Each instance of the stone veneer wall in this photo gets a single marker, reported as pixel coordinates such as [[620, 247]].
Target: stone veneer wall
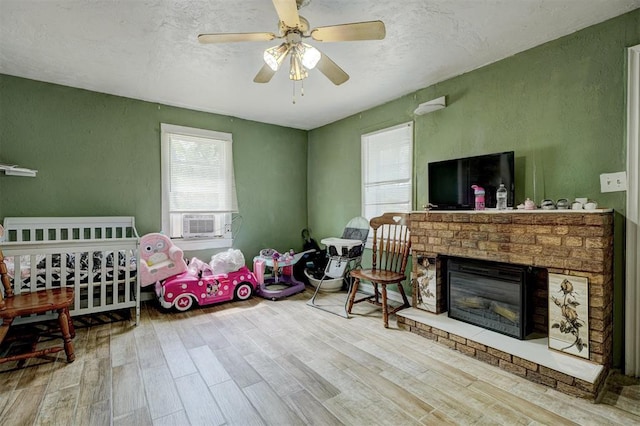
[[572, 243]]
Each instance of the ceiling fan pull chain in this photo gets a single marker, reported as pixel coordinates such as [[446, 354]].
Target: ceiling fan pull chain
[[301, 87], [294, 93]]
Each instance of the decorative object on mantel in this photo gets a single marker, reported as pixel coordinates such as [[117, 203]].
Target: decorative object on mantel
[[14, 170], [425, 283], [578, 204], [529, 204], [591, 205], [569, 314], [563, 204], [547, 205], [478, 192]]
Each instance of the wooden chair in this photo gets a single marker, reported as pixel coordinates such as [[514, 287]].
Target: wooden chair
[[391, 244], [38, 302]]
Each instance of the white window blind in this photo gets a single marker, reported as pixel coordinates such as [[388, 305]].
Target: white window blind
[[198, 181], [387, 170], [201, 175]]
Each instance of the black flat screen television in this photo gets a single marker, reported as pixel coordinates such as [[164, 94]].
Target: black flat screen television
[[450, 181]]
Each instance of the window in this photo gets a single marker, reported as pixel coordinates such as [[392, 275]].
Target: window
[[387, 170], [198, 189]]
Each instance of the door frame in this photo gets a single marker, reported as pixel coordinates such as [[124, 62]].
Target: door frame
[[632, 269]]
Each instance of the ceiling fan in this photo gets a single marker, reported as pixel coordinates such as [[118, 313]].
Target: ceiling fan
[[293, 28]]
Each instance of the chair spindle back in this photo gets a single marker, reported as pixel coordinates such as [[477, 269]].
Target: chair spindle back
[[391, 241]]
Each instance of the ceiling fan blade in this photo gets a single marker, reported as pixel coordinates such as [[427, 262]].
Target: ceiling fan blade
[[287, 11], [332, 71], [369, 30], [264, 75], [233, 37]]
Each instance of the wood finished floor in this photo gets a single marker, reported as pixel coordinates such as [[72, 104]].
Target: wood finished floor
[[283, 363]]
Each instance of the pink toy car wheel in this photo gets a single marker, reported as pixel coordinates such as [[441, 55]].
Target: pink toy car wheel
[[243, 291], [183, 302]]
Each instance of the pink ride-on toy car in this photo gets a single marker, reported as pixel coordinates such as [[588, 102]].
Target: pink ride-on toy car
[[200, 285]]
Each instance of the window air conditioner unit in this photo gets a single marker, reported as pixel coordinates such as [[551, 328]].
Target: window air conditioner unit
[[198, 226]]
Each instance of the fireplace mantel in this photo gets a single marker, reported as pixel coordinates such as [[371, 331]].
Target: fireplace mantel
[[577, 243]]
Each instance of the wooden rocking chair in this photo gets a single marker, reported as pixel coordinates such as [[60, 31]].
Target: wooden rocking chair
[[391, 244]]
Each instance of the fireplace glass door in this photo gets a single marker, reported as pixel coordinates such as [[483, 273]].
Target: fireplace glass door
[[489, 295]]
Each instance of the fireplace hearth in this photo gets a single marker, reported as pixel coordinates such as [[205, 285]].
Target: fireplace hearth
[[491, 295]]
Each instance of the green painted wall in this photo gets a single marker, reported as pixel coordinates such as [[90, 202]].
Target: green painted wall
[[99, 154], [560, 107]]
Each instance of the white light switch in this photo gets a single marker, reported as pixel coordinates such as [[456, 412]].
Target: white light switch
[[612, 182]]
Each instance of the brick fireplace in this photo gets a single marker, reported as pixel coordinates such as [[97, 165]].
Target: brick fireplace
[[574, 243]]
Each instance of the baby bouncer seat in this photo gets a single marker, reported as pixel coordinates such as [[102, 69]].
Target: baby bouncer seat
[[345, 254]]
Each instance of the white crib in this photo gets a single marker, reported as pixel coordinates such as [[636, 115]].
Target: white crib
[[95, 255]]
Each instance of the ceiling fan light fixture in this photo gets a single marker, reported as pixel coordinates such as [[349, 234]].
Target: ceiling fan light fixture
[[293, 28], [310, 57], [274, 56]]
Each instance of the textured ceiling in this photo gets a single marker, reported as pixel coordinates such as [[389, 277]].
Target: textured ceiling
[[147, 49]]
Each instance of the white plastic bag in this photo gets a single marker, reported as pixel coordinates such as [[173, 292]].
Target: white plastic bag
[[227, 261]]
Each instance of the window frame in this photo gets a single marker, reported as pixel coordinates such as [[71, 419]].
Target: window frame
[[364, 167], [188, 244]]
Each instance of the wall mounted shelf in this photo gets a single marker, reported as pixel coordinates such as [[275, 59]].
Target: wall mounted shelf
[[13, 170]]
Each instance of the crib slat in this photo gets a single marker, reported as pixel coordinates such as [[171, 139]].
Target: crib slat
[[76, 282], [90, 283], [48, 264], [64, 258], [103, 279], [33, 277], [116, 289], [17, 274]]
